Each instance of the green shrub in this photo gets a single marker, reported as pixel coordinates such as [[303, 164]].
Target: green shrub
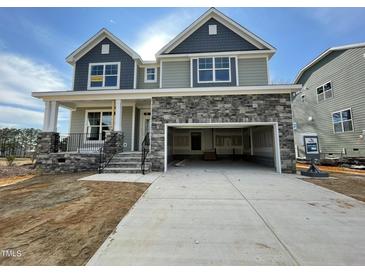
[[10, 160]]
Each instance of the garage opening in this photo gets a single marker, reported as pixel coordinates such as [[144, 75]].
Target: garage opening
[[245, 142]]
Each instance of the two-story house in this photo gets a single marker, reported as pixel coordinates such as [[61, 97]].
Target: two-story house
[[331, 104], [207, 91]]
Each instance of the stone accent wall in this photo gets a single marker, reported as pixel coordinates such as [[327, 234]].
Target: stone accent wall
[[223, 109]]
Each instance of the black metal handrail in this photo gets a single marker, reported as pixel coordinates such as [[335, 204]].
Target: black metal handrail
[[81, 142], [145, 150], [109, 150]]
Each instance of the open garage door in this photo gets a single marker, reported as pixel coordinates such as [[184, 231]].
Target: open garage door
[[253, 142]]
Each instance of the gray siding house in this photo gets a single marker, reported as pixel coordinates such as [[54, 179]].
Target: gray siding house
[[207, 92], [331, 103]]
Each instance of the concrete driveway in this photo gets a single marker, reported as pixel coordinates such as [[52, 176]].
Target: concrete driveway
[[224, 213]]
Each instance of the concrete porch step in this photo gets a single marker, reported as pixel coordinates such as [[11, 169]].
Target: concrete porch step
[[124, 170], [128, 164], [117, 158]]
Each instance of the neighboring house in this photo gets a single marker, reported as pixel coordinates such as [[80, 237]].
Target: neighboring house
[[207, 91], [331, 104]]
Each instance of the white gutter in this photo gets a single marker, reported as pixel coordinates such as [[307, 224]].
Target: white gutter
[[149, 93]]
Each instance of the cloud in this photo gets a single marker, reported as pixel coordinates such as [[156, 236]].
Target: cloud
[[155, 35], [19, 77], [337, 19], [111, 21]]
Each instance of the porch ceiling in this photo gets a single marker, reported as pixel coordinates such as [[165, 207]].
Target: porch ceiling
[[101, 103]]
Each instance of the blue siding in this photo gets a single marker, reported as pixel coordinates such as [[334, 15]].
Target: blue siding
[[224, 40], [116, 54], [224, 84]]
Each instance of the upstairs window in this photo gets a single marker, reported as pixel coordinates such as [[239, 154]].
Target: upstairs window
[[324, 92], [217, 69], [150, 75], [103, 75], [342, 121]]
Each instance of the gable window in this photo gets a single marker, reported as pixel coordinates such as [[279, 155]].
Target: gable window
[[97, 124], [324, 92], [212, 29], [104, 75], [150, 75], [214, 69], [105, 49], [342, 121]]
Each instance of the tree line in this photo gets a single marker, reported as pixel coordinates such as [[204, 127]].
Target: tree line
[[18, 142]]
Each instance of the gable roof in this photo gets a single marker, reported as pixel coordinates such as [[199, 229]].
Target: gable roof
[[94, 40], [223, 19], [323, 55]]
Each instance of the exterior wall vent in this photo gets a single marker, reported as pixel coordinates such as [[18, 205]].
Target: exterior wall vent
[[212, 29], [105, 49]]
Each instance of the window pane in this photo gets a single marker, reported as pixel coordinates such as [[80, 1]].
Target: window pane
[[95, 84], [346, 115], [111, 69], [107, 118], [150, 70], [337, 127], [347, 126], [222, 62], [320, 90], [93, 133], [97, 70], [94, 118], [222, 75], [151, 77], [328, 86], [205, 75], [336, 117], [111, 81], [205, 63], [328, 94], [320, 97]]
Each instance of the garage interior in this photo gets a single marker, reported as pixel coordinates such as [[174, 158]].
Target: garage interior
[[244, 143]]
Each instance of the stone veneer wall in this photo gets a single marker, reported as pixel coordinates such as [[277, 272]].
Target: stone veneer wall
[[223, 109], [49, 160]]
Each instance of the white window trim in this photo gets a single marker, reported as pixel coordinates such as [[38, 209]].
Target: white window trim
[[324, 92], [333, 123], [87, 111], [103, 87], [214, 69], [145, 75]]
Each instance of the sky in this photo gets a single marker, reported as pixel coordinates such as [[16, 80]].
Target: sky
[[34, 43]]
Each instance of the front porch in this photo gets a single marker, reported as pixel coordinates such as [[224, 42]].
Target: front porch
[[91, 121]]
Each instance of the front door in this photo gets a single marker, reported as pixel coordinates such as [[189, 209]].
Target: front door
[[145, 124]]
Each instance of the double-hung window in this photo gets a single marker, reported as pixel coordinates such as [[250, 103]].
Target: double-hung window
[[150, 75], [214, 69], [97, 124], [104, 76], [324, 92], [342, 121]]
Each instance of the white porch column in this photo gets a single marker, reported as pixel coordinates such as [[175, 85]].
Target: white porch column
[[47, 108], [118, 115], [133, 124], [50, 116], [53, 117]]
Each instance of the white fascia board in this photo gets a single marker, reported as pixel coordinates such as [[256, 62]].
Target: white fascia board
[[94, 40], [223, 19], [149, 93], [239, 54], [324, 54]]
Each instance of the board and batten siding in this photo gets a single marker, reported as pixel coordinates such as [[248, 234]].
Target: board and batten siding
[[78, 123], [346, 71], [140, 79], [252, 71], [176, 74]]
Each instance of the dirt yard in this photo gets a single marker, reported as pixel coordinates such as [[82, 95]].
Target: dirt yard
[[350, 185], [57, 220], [21, 170]]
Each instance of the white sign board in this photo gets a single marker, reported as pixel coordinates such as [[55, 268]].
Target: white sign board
[[311, 145]]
